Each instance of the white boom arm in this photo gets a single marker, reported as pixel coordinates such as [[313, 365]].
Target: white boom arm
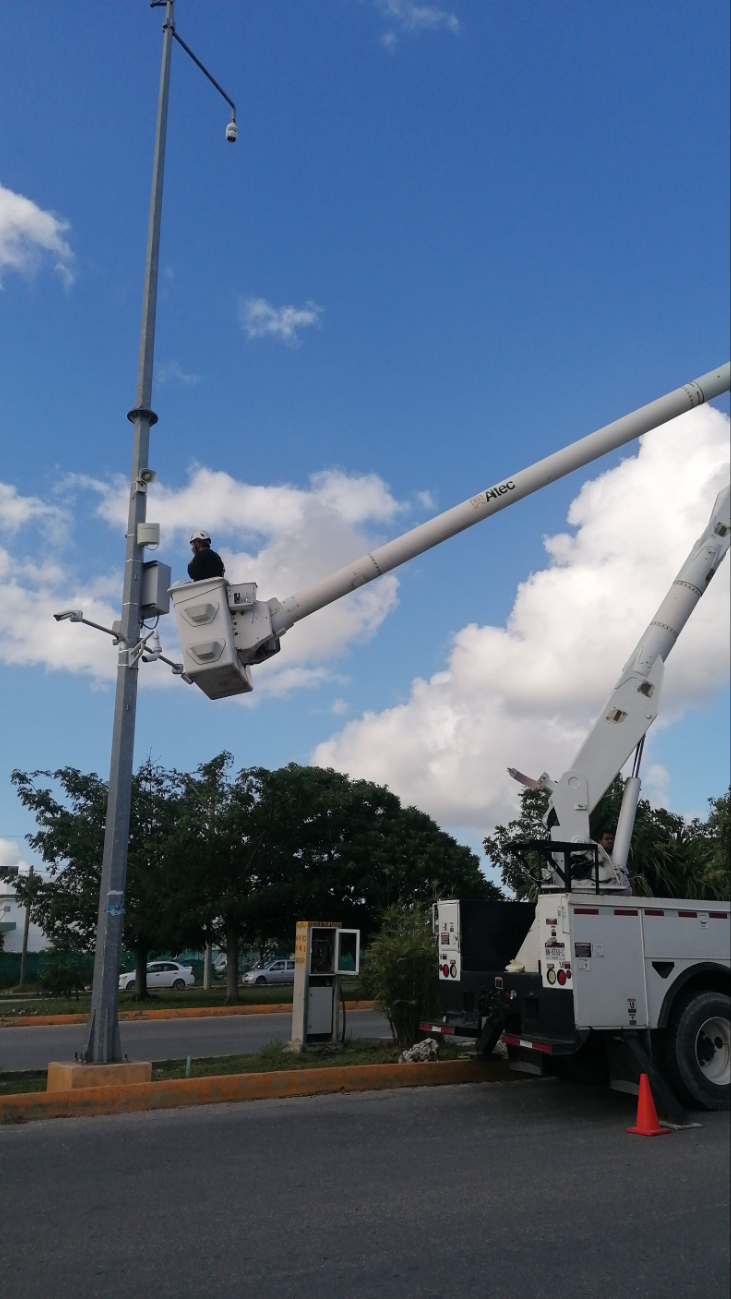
[[224, 629], [502, 494], [632, 707]]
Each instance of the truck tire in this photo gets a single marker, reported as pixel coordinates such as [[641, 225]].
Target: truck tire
[[698, 1049]]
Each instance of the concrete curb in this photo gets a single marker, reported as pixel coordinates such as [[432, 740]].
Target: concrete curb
[[90, 1102], [185, 1012]]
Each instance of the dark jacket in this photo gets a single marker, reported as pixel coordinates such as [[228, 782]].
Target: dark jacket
[[205, 564]]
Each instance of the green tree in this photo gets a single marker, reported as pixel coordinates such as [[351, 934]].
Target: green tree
[[150, 919], [719, 833], [670, 856], [529, 824], [332, 848], [70, 840], [400, 970], [217, 844]]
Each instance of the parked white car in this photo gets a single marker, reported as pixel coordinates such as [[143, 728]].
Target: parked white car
[[272, 972], [161, 974]]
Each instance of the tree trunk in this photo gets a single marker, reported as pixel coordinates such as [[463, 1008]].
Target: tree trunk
[[207, 967], [141, 973], [232, 965], [26, 927]]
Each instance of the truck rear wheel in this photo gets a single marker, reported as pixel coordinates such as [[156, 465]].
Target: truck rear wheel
[[698, 1049]]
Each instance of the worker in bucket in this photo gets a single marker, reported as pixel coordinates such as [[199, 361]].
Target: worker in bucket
[[205, 562]]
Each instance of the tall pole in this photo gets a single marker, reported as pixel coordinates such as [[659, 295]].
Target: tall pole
[[103, 1042]]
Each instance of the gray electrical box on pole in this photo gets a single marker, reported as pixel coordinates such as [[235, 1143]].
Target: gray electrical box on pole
[[324, 953]]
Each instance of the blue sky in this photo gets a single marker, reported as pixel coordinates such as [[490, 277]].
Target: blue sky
[[497, 227]]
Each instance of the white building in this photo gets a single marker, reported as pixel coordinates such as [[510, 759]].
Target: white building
[[12, 915]]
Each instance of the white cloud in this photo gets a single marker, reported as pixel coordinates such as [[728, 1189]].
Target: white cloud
[[282, 537], [655, 784], [10, 854], [29, 594], [17, 511], [173, 372], [261, 320], [27, 233], [405, 16], [215, 500], [525, 694]]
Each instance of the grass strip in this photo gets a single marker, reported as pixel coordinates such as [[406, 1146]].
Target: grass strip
[[272, 1058]]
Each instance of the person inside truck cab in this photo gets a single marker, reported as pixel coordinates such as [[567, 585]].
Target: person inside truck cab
[[205, 562]]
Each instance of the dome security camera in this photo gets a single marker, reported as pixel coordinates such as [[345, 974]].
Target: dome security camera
[[232, 132]]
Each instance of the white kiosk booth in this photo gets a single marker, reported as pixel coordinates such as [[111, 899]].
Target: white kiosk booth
[[324, 953]]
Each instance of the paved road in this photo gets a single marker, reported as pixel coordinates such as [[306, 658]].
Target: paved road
[[167, 1039], [527, 1190]]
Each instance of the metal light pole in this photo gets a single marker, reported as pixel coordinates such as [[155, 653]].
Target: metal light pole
[[103, 1042]]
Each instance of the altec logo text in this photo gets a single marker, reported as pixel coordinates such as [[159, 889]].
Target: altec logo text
[[500, 491], [492, 493]]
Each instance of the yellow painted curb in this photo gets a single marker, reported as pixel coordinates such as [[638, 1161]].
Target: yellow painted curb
[[185, 1012], [89, 1102]]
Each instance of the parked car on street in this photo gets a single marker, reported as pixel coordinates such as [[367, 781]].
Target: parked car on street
[[161, 974], [272, 972]]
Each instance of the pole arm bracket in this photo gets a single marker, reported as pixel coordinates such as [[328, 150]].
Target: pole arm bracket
[[206, 73]]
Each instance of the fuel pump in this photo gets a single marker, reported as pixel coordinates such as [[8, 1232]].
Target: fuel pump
[[324, 953]]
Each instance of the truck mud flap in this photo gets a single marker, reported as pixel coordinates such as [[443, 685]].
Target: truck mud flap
[[524, 1059]]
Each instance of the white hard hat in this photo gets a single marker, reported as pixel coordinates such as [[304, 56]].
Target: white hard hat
[[199, 535]]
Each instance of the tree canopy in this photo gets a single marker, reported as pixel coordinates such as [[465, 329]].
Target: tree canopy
[[70, 840], [236, 858]]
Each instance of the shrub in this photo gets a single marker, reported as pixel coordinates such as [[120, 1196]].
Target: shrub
[[65, 975], [400, 970]]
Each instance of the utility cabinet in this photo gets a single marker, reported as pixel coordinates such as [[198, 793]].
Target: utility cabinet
[[324, 953]]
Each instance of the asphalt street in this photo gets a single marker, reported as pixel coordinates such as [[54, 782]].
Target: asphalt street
[[167, 1039], [498, 1191]]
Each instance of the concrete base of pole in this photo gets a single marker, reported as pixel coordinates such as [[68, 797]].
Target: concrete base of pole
[[67, 1076]]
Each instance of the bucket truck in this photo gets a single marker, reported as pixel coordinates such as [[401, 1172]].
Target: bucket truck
[[589, 979], [587, 972]]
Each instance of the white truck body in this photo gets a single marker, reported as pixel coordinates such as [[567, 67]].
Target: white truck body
[[623, 959]]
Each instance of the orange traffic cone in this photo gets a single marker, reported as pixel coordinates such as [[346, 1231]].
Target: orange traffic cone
[[647, 1124]]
